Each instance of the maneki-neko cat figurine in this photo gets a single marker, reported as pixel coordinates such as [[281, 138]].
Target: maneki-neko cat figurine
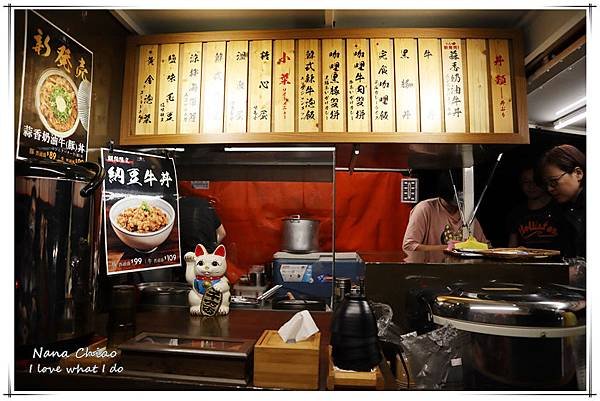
[[205, 271]]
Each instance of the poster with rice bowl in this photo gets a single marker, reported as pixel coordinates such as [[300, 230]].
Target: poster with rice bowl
[[141, 212], [56, 94]]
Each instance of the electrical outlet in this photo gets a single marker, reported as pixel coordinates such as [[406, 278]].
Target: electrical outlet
[[410, 190]]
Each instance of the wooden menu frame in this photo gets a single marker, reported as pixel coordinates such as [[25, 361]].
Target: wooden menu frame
[[517, 75]]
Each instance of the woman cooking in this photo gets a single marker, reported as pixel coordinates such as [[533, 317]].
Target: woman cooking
[[562, 170], [435, 222]]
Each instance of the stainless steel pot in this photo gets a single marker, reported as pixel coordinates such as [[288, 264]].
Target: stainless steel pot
[[521, 337], [57, 237], [300, 235]]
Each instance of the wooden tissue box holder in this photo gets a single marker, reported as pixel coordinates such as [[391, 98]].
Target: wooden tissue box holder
[[286, 365]]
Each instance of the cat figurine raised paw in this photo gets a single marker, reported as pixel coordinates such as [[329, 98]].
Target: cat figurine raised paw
[[205, 271]]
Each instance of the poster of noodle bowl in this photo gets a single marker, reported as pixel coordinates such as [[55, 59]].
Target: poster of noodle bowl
[[56, 91], [141, 212]]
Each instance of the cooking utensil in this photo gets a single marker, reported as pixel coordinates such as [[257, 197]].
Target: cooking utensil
[[487, 184], [164, 293], [520, 336], [241, 301], [238, 301], [267, 294], [300, 235], [514, 253], [299, 304]]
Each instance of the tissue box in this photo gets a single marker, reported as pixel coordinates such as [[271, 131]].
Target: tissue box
[[283, 365]]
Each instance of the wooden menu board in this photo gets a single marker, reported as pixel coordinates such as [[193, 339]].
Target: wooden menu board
[[454, 90], [334, 85], [406, 85], [479, 111], [359, 87], [382, 77], [283, 86], [308, 85], [236, 86], [430, 72], [501, 85], [189, 87], [168, 80], [213, 87], [259, 86], [146, 94]]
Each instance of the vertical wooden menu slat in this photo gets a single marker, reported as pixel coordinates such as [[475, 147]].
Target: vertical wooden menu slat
[[146, 90], [407, 84], [334, 85], [477, 71], [430, 84], [382, 78], [284, 85], [309, 85], [359, 95], [236, 86], [168, 82], [259, 86], [213, 87], [501, 82], [190, 71], [453, 78]]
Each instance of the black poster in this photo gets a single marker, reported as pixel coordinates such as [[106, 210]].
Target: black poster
[[141, 212], [56, 94]]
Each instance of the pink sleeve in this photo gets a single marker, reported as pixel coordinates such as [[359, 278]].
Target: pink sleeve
[[478, 231], [416, 229]]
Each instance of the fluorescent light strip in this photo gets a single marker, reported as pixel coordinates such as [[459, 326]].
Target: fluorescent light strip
[[280, 149], [568, 121], [571, 106]]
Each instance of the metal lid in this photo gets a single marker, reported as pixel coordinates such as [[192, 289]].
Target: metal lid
[[512, 304]]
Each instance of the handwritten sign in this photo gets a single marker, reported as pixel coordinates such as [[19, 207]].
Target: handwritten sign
[[382, 76], [236, 86], [213, 87], [189, 80], [283, 86], [334, 85], [146, 96], [168, 85], [501, 85], [259, 86], [359, 108], [407, 85], [430, 84], [308, 84], [454, 93]]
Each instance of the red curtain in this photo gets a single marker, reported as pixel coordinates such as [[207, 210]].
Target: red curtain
[[369, 215]]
